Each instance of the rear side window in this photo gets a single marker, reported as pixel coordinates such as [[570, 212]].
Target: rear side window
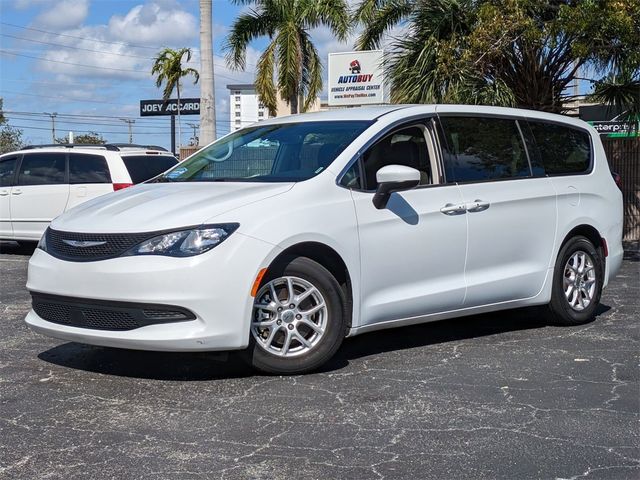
[[144, 167], [7, 169], [42, 169], [84, 168], [562, 150], [483, 149]]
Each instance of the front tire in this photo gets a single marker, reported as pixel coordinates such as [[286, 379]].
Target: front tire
[[577, 283], [298, 320]]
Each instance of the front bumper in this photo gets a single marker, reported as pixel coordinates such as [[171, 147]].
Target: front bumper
[[214, 286]]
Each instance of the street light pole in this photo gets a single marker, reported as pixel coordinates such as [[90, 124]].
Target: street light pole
[[53, 125], [129, 122]]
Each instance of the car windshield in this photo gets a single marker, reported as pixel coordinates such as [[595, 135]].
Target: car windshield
[[289, 152]]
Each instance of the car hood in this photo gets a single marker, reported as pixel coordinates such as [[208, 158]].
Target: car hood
[[161, 206]]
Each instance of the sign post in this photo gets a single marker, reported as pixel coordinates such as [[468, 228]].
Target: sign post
[[356, 78], [156, 108]]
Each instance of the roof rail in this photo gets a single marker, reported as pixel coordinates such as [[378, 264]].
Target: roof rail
[[136, 145], [106, 146]]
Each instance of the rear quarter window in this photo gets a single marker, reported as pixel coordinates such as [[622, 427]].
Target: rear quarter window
[[144, 167], [562, 150], [85, 168]]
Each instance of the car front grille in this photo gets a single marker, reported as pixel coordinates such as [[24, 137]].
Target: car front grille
[[104, 315], [87, 247]]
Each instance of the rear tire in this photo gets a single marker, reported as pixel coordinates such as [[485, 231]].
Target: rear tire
[[577, 283], [285, 338]]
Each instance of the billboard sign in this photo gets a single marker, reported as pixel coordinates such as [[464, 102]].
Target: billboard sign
[[356, 78], [614, 128], [152, 108]]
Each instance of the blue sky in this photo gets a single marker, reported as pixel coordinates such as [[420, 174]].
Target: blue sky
[[93, 57]]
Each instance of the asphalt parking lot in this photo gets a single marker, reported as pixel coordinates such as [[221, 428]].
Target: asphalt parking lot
[[491, 396]]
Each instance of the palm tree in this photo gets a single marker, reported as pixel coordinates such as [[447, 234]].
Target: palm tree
[[621, 91], [207, 88], [425, 63], [496, 52], [168, 70], [291, 55]]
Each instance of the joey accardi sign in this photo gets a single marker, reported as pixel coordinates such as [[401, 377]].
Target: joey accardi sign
[[151, 108]]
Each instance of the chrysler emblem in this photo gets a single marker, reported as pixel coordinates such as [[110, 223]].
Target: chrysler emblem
[[82, 244]]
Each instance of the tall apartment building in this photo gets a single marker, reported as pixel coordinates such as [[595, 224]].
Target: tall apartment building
[[244, 106]]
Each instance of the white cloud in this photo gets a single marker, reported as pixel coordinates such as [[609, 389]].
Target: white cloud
[[155, 23], [24, 4], [64, 14]]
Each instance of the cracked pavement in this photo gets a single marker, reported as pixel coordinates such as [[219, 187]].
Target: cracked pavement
[[500, 395]]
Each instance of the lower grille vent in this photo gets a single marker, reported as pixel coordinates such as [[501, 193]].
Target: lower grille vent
[[102, 315]]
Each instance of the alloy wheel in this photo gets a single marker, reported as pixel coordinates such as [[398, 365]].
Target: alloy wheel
[[289, 316], [579, 281]]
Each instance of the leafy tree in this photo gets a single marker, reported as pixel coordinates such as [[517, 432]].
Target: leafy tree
[[168, 70], [521, 53], [291, 55], [91, 138], [10, 137]]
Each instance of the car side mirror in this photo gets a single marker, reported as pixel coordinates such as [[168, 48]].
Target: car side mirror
[[394, 178]]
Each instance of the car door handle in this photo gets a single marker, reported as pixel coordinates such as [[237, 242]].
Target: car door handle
[[16, 192], [477, 206], [4, 193], [451, 209]]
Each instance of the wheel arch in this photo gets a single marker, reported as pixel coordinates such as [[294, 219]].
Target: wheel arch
[[594, 236], [329, 259], [587, 231]]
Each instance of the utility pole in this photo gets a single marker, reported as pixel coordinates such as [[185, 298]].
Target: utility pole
[[129, 122], [53, 125], [207, 87], [195, 132]]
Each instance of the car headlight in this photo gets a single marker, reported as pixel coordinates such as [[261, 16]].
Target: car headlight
[[42, 244], [185, 243]]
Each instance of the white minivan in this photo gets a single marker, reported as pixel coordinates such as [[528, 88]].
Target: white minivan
[[285, 237], [40, 182]]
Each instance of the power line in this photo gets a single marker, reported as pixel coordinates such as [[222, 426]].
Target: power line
[[78, 115], [63, 98], [95, 66], [26, 127], [99, 41], [79, 122], [78, 38], [75, 47], [69, 63], [101, 118], [71, 84]]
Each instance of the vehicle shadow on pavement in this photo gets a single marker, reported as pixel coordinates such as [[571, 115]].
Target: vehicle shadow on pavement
[[444, 331], [211, 366], [14, 248]]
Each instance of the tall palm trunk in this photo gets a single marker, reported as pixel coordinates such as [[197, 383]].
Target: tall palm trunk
[[293, 103], [207, 86]]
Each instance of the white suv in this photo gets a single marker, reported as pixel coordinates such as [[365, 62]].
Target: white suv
[[39, 183], [284, 237]]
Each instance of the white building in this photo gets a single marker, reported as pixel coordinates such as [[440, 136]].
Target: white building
[[244, 106]]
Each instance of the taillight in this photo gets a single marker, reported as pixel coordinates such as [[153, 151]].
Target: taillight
[[120, 186], [618, 179]]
